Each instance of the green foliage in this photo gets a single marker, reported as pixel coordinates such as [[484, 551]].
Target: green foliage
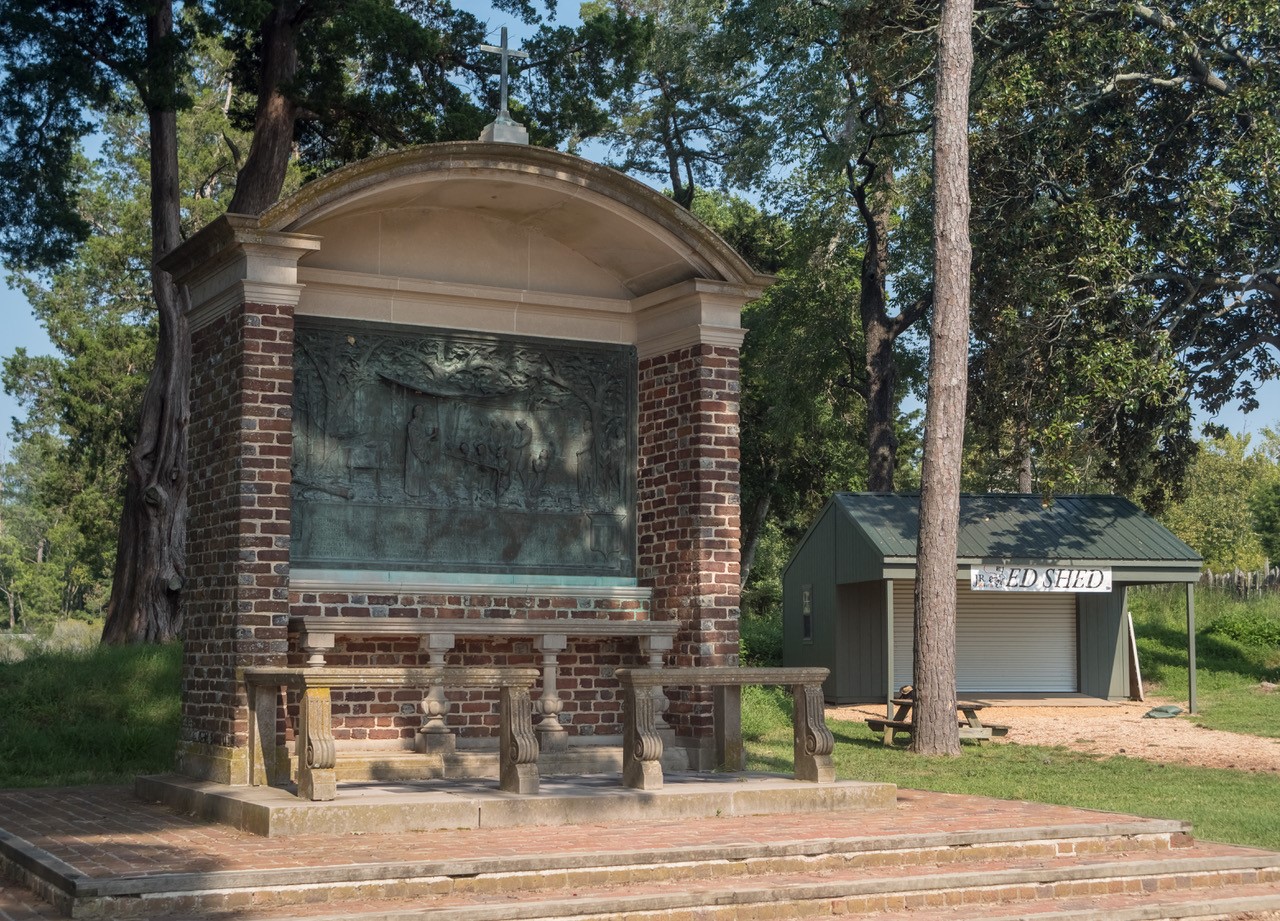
[[1249, 628], [124, 699], [64, 484], [571, 93], [801, 421], [1217, 517], [760, 638], [1265, 508], [684, 109], [1229, 671], [1223, 805], [1124, 232]]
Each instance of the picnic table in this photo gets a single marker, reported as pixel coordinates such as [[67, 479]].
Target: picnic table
[[971, 726]]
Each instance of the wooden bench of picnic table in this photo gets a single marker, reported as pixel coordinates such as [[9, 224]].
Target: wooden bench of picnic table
[[971, 727], [316, 749]]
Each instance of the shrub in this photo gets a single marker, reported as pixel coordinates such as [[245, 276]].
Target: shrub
[[1250, 628], [760, 638]]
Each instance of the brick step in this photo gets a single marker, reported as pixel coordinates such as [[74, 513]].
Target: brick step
[[1020, 857], [1253, 902], [1204, 882]]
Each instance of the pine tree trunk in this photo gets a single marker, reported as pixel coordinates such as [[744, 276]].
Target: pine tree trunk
[[151, 550], [936, 729], [1025, 469]]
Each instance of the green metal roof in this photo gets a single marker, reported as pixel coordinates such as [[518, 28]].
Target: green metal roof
[[1021, 527]]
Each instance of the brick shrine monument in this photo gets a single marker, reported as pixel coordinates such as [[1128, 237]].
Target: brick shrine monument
[[484, 392]]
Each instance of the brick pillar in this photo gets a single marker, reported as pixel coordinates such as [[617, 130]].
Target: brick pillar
[[243, 289], [688, 511]]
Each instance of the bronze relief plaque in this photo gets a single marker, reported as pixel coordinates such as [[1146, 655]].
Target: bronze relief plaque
[[442, 451]]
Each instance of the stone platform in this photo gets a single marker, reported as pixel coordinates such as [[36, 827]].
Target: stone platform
[[429, 805], [103, 853]]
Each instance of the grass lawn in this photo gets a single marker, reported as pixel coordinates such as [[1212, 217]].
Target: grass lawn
[[1223, 805], [97, 716], [1237, 648]]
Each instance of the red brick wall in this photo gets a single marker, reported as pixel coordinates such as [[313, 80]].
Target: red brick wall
[[586, 684], [239, 526], [688, 510], [240, 441]]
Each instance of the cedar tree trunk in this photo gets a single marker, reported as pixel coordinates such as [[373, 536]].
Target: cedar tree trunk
[[259, 182], [936, 730], [751, 539], [151, 551]]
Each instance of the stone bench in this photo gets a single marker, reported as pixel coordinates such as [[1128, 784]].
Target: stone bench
[[317, 635], [316, 750], [644, 703]]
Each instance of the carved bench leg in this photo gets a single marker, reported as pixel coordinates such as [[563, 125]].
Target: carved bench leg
[[728, 719], [641, 744], [518, 749], [813, 740], [552, 737], [317, 757], [264, 753]]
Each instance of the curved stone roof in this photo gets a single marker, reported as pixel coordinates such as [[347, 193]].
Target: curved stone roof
[[631, 232]]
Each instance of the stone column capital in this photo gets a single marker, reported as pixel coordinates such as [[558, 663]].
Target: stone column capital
[[233, 261], [693, 312]]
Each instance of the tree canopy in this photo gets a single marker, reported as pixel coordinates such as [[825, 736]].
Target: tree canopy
[[1124, 168]]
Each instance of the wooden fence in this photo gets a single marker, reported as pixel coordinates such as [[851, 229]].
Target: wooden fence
[[1244, 584]]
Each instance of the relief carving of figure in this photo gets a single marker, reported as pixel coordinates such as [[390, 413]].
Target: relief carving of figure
[[438, 450], [422, 438]]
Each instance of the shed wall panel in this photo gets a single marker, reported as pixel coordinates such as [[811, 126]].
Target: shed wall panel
[[1104, 639], [862, 643], [1010, 642], [814, 566]]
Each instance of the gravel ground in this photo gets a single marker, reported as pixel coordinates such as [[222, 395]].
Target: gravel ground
[[1119, 729]]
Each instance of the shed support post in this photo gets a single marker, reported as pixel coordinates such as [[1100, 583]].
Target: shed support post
[[1191, 646], [890, 690]]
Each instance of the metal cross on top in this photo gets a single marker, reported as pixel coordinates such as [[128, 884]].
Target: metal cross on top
[[506, 53]]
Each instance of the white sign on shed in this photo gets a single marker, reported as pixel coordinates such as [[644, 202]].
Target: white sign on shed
[[1040, 578]]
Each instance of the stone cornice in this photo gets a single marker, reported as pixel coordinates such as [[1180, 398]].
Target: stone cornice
[[233, 261], [693, 312], [513, 163]]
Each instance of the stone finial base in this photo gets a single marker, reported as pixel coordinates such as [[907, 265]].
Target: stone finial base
[[504, 132]]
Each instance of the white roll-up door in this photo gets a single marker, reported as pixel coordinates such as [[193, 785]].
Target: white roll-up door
[[1005, 641]]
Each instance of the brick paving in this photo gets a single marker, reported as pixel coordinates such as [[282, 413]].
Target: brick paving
[[859, 889], [104, 831]]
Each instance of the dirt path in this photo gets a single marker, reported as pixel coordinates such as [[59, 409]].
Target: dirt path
[[1119, 729]]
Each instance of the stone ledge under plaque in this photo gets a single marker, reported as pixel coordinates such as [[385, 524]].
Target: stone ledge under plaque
[[419, 583]]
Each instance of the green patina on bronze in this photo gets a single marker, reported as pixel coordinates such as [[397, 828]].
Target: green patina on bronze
[[440, 451]]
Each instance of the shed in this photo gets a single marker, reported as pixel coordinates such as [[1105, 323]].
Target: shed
[[1040, 593]]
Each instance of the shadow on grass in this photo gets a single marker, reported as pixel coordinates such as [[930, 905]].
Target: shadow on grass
[[96, 716], [1166, 648]]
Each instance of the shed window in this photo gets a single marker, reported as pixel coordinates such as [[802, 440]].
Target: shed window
[[806, 613]]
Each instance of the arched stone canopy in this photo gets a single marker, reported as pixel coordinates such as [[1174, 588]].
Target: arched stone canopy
[[491, 237], [639, 237]]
